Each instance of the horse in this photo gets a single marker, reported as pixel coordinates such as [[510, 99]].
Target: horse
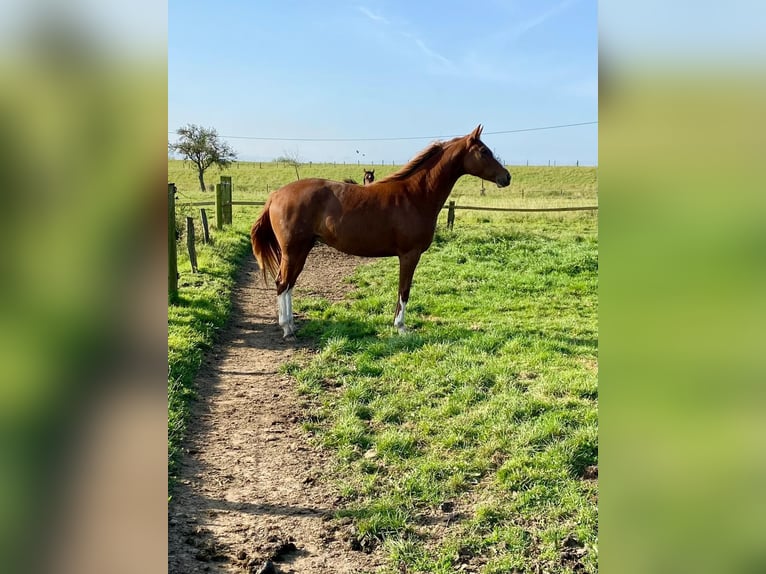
[[369, 177], [399, 219]]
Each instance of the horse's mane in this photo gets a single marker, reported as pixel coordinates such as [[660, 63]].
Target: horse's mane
[[419, 161]]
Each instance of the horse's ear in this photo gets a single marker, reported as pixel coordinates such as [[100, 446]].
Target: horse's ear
[[373, 172], [476, 134]]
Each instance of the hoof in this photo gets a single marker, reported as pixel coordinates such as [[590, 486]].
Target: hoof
[[288, 331], [291, 338]]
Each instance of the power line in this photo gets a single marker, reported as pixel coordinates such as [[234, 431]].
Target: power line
[[402, 138]]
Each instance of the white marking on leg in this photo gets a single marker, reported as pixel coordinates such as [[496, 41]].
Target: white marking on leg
[[281, 300], [284, 302], [399, 319], [289, 309], [286, 320]]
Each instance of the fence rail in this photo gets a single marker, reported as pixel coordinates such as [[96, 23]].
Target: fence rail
[[224, 202], [204, 203], [480, 208], [468, 207]]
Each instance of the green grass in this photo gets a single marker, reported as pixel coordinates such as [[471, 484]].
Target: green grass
[[490, 402], [533, 186]]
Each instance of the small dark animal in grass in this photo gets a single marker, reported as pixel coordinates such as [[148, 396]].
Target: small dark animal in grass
[[399, 219], [369, 177]]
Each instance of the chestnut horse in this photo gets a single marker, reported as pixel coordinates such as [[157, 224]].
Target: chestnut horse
[[394, 216]]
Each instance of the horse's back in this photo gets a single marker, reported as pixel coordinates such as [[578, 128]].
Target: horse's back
[[304, 193]]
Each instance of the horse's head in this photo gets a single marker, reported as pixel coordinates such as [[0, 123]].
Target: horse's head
[[479, 160], [369, 176]]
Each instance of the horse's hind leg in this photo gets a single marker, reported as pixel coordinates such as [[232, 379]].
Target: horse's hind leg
[[290, 267], [284, 306]]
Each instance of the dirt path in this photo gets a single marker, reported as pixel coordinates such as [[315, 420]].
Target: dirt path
[[251, 487]]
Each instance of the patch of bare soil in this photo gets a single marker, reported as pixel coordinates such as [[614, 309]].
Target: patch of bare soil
[[252, 492]]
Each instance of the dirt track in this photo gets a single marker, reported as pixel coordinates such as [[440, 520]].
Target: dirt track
[[250, 486]]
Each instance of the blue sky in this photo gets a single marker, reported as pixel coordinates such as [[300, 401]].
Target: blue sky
[[387, 69]]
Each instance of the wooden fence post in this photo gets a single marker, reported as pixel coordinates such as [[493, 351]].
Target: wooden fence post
[[227, 205], [172, 255], [205, 229], [190, 243], [451, 215], [219, 205], [226, 182]]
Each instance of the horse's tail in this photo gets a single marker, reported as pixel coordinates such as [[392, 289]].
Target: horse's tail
[[265, 246]]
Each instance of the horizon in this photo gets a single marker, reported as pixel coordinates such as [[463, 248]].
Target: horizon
[[553, 163]]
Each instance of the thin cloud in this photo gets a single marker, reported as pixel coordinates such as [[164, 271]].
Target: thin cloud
[[527, 25], [372, 15], [428, 51], [432, 55]]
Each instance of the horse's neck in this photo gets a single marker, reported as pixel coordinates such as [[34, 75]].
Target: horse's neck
[[434, 185]]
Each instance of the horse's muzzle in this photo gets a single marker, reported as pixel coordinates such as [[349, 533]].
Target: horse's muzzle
[[504, 180]]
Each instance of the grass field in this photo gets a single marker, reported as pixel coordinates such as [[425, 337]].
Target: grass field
[[488, 405], [532, 186], [485, 414]]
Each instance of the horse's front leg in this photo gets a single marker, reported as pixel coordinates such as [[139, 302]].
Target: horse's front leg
[[407, 264]]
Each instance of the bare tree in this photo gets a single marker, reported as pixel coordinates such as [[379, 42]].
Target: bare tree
[[292, 158], [203, 148]]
